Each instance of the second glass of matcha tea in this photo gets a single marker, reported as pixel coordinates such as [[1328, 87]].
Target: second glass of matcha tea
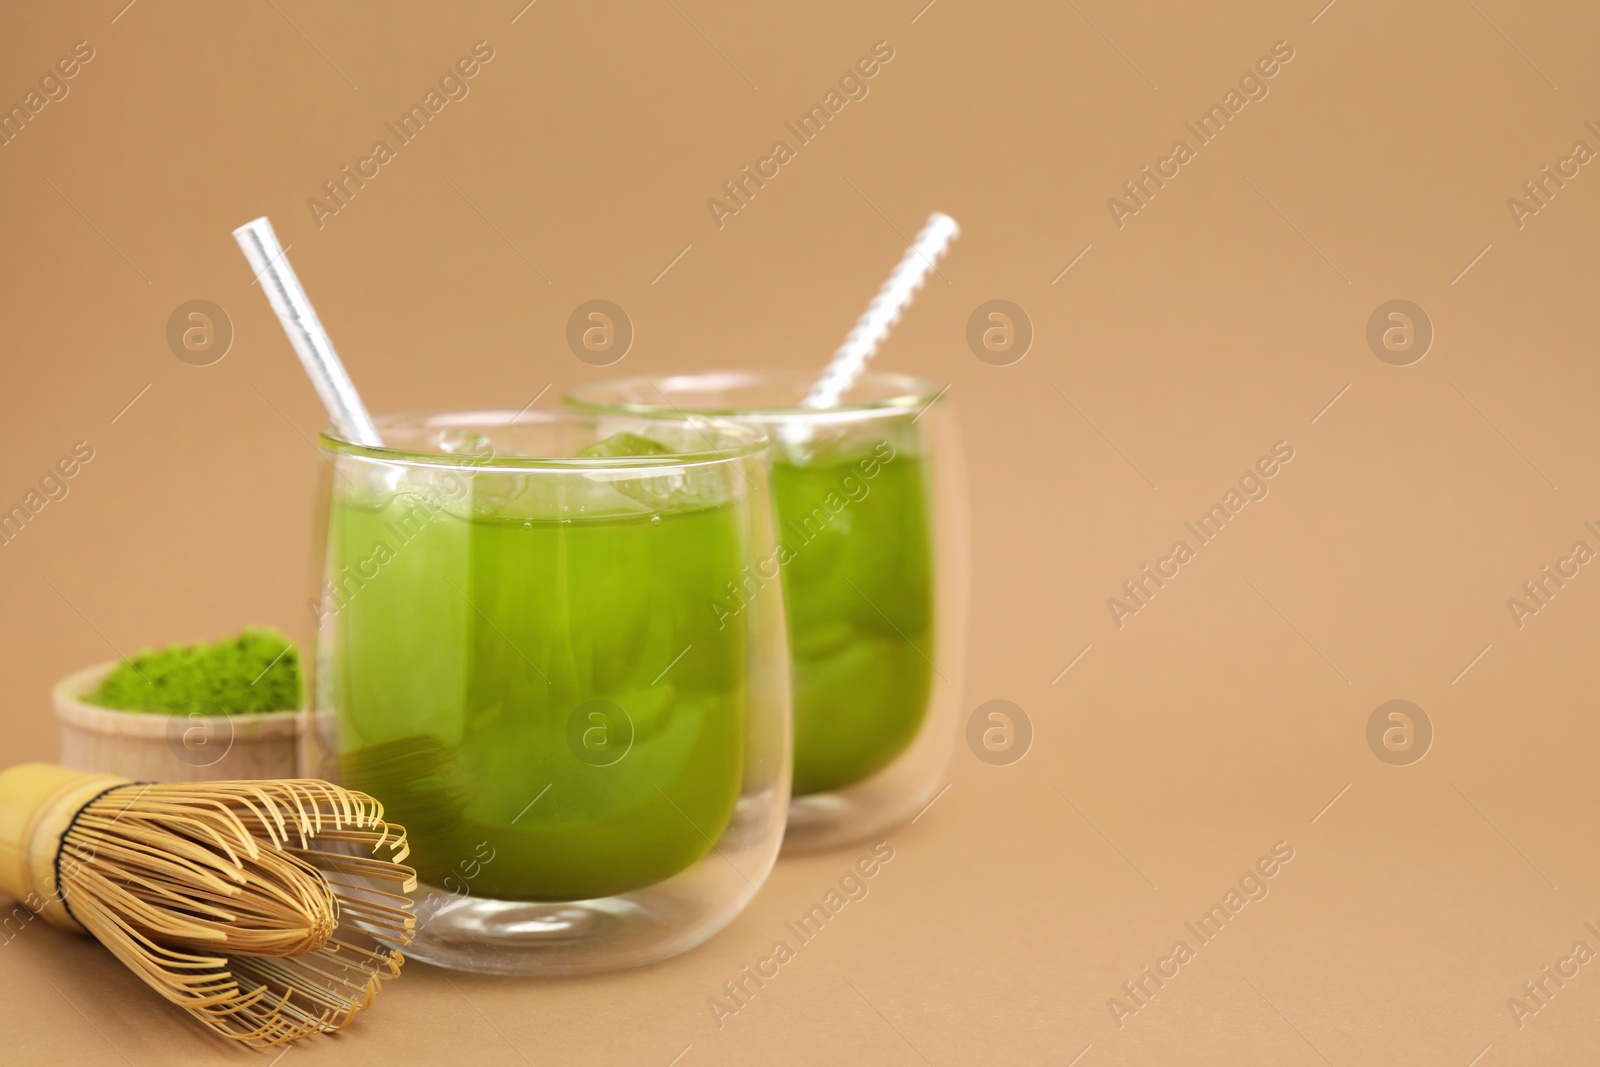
[[871, 562]]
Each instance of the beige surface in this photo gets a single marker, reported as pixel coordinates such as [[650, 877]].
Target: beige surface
[[1220, 319]]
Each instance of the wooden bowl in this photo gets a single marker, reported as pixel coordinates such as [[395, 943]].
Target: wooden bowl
[[159, 747]]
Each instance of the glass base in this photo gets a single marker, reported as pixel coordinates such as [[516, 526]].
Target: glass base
[[518, 937], [821, 821], [469, 932]]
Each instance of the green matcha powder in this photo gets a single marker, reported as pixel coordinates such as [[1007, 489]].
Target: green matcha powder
[[257, 671]]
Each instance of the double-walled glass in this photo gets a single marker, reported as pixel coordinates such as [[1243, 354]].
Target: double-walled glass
[[516, 656], [873, 556]]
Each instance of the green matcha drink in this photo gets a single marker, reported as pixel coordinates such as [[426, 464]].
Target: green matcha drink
[[858, 587], [871, 564], [529, 679]]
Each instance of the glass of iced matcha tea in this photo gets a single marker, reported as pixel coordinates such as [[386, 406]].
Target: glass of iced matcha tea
[[515, 657], [871, 561]]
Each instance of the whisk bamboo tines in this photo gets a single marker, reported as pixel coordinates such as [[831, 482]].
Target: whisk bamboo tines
[[269, 910]]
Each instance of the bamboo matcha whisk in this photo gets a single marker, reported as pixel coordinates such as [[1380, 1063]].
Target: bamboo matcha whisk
[[266, 909]]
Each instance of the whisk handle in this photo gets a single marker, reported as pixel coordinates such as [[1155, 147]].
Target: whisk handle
[[38, 801]]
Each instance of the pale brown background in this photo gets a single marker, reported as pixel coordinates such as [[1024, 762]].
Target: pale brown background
[[1224, 317]]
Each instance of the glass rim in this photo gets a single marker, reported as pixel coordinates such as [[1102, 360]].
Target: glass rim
[[906, 393], [732, 442]]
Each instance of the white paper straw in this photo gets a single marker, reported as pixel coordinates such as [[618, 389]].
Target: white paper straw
[[311, 342], [884, 311]]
